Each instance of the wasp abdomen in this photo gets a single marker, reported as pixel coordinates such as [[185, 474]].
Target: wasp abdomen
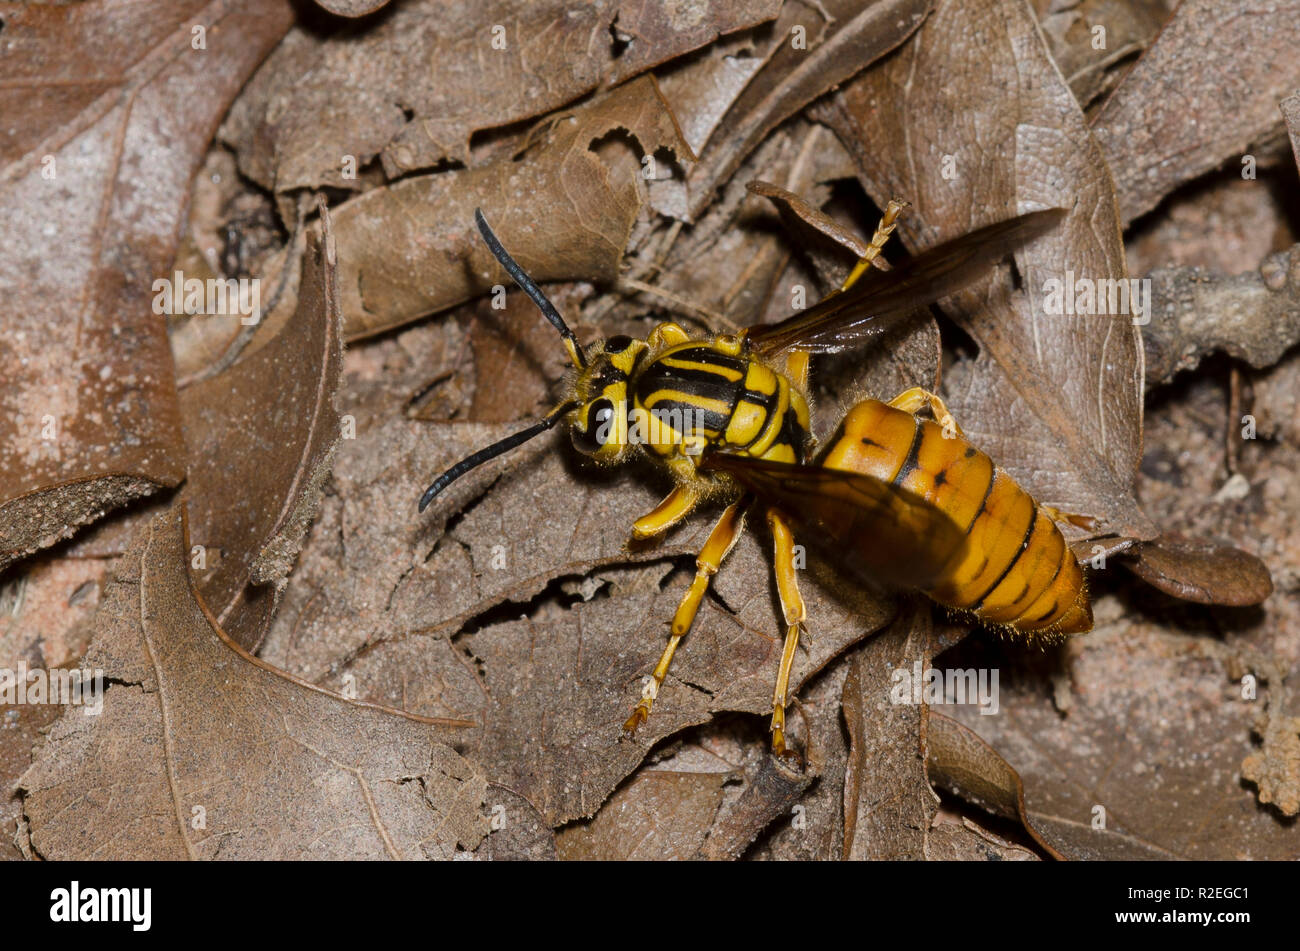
[[1016, 569]]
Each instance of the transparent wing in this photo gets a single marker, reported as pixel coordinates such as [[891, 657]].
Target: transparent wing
[[880, 299], [864, 524]]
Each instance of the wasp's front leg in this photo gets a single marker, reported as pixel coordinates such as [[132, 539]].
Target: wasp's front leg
[[678, 504], [792, 607], [721, 540]]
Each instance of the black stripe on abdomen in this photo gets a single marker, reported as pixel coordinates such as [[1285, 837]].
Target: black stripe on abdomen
[[1024, 546], [913, 453]]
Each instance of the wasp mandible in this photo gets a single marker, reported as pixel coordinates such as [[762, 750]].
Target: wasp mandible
[[907, 500]]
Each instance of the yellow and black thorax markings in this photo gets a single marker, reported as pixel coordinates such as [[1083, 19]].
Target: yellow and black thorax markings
[[1016, 569], [733, 401]]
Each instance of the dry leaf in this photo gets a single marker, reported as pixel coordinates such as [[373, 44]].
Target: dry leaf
[[771, 792], [967, 842], [1290, 107], [517, 831], [412, 249], [1094, 42], [1147, 762], [96, 173], [888, 803], [202, 751], [828, 44], [1201, 571], [813, 826], [428, 74], [959, 761], [659, 815], [352, 8], [1205, 92], [20, 729], [264, 434]]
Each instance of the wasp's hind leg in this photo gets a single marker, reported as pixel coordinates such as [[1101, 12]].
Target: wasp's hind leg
[[909, 401], [721, 540], [1086, 522], [792, 607], [883, 230]]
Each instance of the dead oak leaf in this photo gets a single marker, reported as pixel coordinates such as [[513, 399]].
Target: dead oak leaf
[[96, 172], [202, 751]]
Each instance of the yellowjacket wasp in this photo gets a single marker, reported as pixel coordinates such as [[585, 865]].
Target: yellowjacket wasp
[[907, 500]]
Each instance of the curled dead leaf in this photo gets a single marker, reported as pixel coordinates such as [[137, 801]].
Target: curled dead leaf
[[1201, 571], [411, 249], [264, 433], [959, 761]]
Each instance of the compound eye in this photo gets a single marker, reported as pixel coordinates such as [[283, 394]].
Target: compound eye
[[618, 343], [600, 426]]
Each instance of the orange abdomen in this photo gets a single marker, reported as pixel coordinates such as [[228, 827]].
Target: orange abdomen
[[1016, 569]]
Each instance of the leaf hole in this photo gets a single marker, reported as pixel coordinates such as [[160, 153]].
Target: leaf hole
[[618, 41]]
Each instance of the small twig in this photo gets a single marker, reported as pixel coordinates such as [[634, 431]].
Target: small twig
[[1232, 444]]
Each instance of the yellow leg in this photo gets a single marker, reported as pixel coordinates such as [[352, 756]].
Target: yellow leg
[[796, 368], [909, 401], [675, 507], [792, 607], [721, 540], [883, 230]]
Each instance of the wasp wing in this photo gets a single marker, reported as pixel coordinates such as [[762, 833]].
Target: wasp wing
[[869, 526], [878, 301]]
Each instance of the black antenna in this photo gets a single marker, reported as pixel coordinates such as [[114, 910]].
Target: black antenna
[[494, 450], [532, 290]]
